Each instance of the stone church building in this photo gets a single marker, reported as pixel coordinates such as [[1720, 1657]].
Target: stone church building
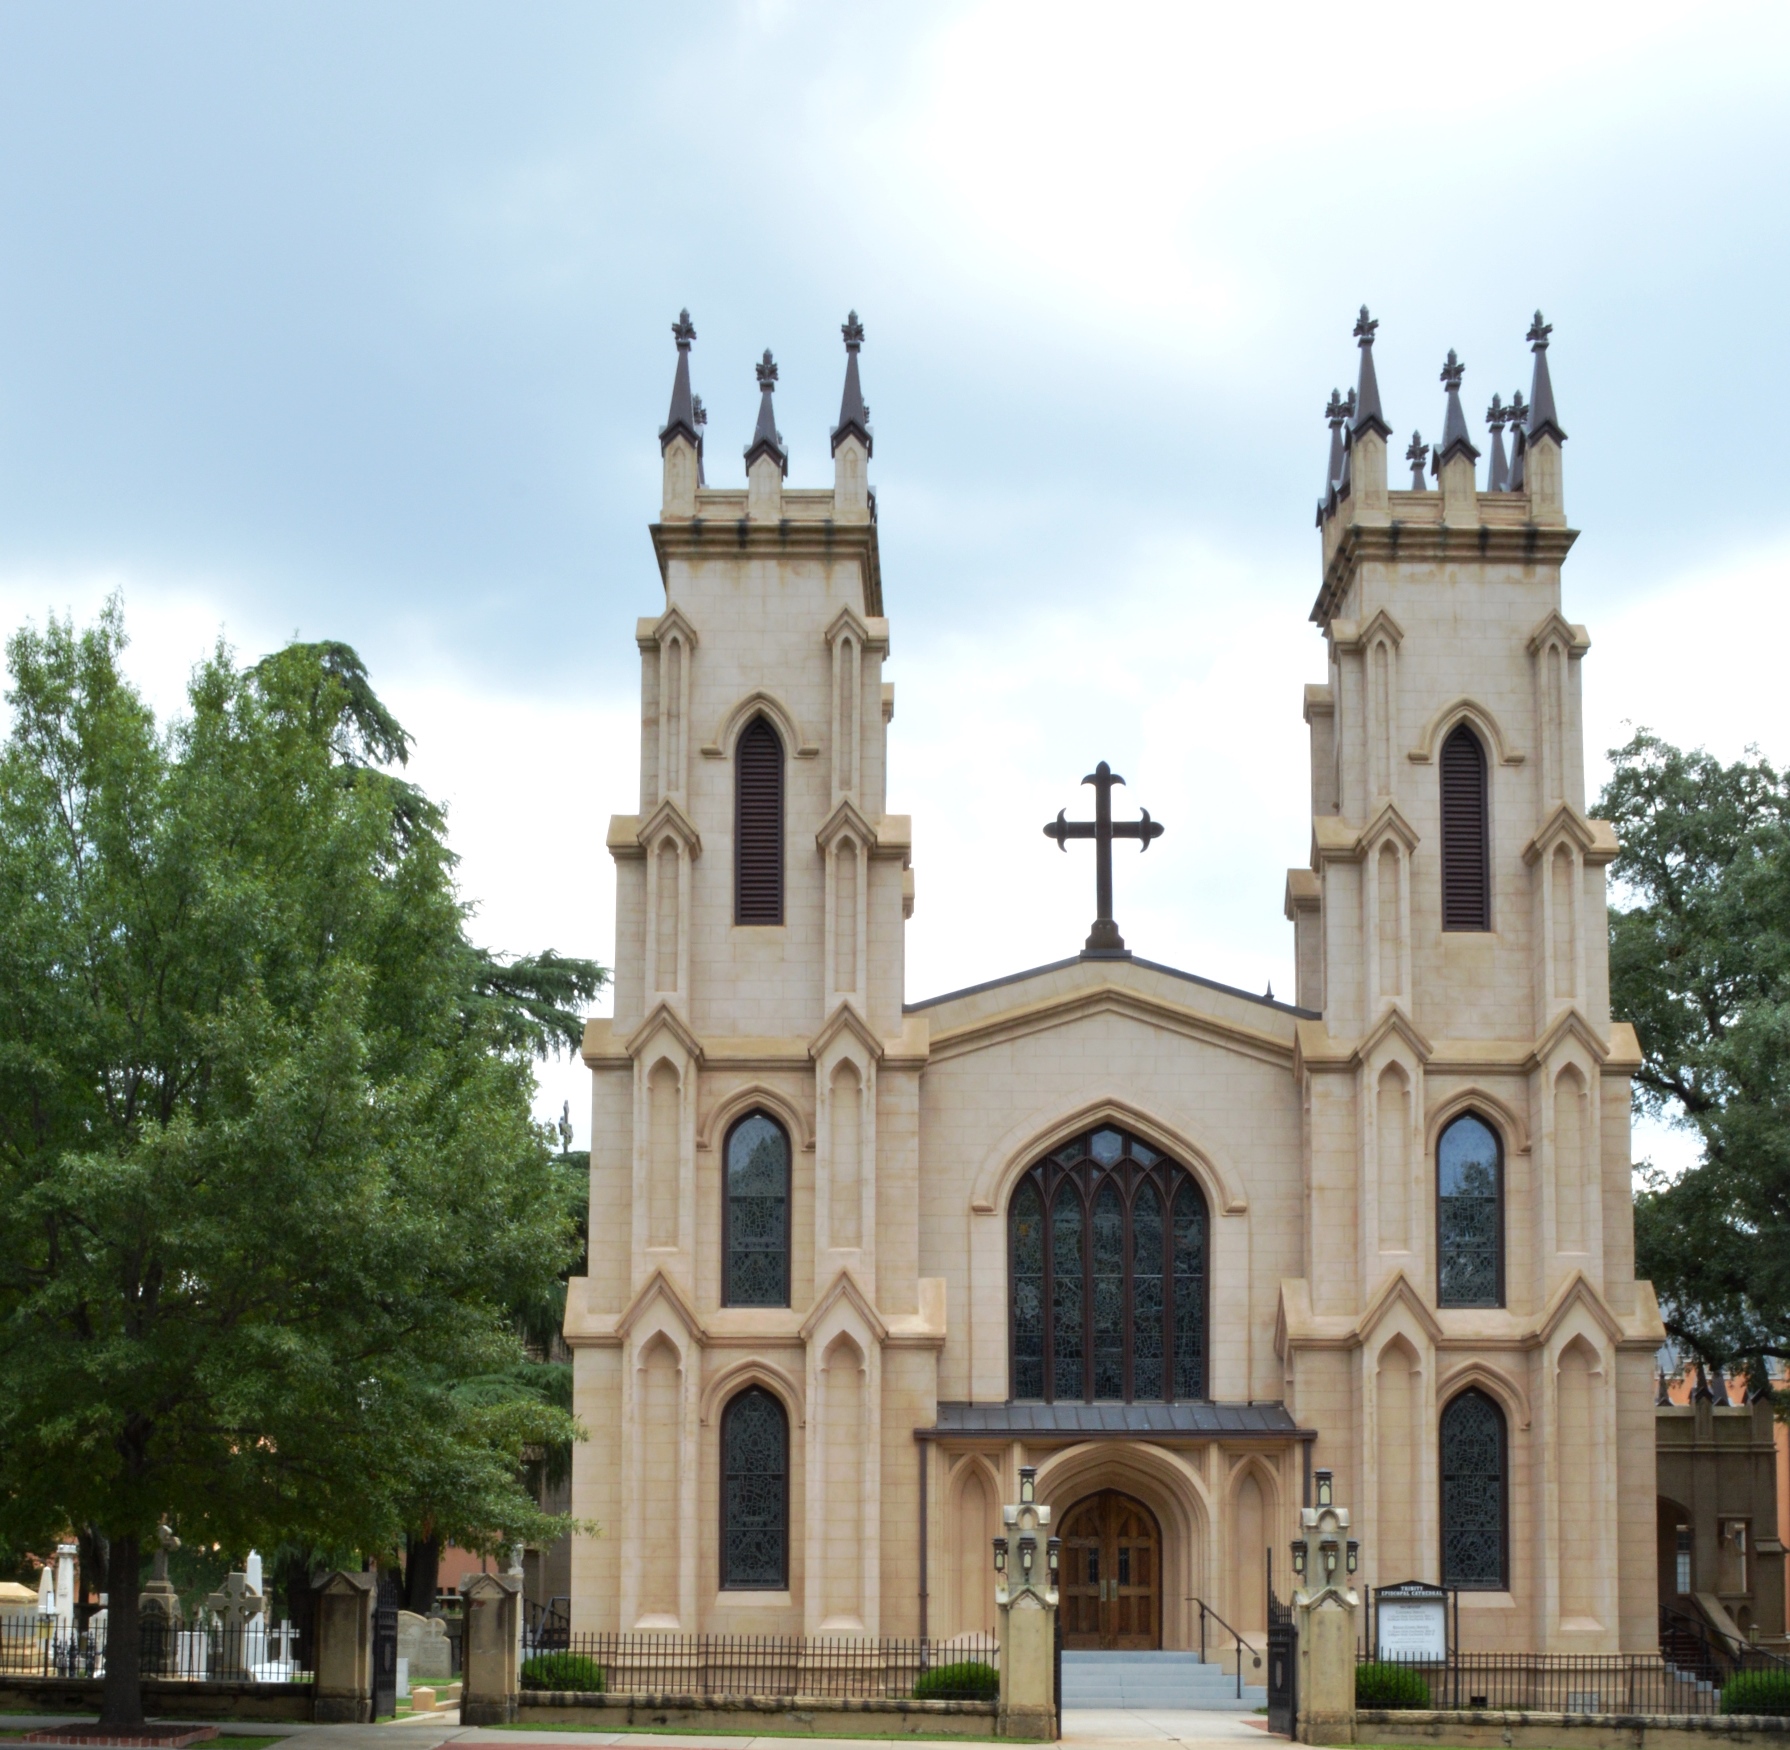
[[855, 1258]]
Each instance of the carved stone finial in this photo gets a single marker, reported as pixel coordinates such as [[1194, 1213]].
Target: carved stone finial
[[1333, 409], [854, 410], [1538, 333], [1497, 414], [853, 330], [1543, 421], [701, 413], [1452, 371], [1416, 456], [683, 331], [1455, 441], [767, 372], [1364, 327], [766, 439]]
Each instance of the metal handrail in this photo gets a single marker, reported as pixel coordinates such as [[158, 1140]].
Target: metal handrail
[[1206, 1610], [1714, 1649]]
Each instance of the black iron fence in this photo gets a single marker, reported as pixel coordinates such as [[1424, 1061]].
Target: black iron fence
[[44, 1646], [1554, 1683], [964, 1668]]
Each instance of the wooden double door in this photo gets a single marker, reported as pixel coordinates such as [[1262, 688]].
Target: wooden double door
[[1110, 1589]]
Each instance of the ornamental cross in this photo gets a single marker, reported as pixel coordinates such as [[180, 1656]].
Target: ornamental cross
[[1104, 937]]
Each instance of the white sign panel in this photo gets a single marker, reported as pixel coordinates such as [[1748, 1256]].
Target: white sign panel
[[1412, 1628]]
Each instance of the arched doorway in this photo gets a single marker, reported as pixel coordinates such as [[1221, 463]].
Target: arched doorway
[[1111, 1584]]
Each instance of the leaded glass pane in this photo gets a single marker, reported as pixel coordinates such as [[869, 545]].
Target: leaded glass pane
[[1473, 1493], [1469, 1215], [1106, 1146], [1028, 1293], [1190, 1293], [1146, 1294], [1109, 1293], [755, 1493], [1067, 1315], [757, 1213]]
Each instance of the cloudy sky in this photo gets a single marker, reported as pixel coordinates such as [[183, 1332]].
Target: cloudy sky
[[351, 322]]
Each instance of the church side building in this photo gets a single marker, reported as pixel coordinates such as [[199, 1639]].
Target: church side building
[[854, 1260]]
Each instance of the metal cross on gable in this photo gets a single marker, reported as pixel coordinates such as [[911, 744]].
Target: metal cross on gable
[[1104, 937]]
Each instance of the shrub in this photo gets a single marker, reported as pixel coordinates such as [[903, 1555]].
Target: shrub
[[967, 1680], [1757, 1692], [1385, 1685], [567, 1672]]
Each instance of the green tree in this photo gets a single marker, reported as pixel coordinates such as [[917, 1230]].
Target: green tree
[[269, 1187], [1700, 962]]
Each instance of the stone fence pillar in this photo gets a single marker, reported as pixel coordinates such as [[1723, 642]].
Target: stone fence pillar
[[1026, 1604], [490, 1676], [1324, 1611], [343, 1688]]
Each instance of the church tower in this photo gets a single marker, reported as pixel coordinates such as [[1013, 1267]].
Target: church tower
[[1466, 1091], [755, 1114]]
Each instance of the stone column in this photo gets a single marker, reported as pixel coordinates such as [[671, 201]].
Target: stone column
[[1324, 1610], [490, 1673], [1026, 1605], [343, 1690]]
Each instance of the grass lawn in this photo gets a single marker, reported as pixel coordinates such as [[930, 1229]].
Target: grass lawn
[[742, 1732]]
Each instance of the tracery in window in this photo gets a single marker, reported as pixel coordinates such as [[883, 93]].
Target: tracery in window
[[755, 1237], [1475, 1541], [1469, 1215], [1108, 1270], [755, 1492]]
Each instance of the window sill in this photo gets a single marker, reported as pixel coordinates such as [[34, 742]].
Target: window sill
[[753, 1598]]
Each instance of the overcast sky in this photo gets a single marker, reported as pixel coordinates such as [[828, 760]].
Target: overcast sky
[[352, 321]]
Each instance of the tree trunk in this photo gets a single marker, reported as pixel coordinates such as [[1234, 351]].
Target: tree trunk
[[121, 1703], [422, 1572]]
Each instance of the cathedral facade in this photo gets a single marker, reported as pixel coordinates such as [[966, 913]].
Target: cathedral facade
[[854, 1259]]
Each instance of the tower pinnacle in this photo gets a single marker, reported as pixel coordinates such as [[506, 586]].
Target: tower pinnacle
[[681, 420], [1455, 441], [1368, 416], [1542, 419], [767, 440], [1416, 456], [1519, 411], [854, 416], [1495, 416]]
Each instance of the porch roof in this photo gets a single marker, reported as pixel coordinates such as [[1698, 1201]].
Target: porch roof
[[1199, 1421]]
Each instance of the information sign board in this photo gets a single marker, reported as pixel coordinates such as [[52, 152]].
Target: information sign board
[[1411, 1622]]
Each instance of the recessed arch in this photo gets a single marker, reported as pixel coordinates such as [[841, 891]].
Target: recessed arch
[[755, 1096], [1464, 710], [1017, 1151], [760, 703], [754, 1370], [1476, 1098], [1499, 1386]]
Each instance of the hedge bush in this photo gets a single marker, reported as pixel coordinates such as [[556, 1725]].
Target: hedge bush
[[967, 1680], [1385, 1685], [1757, 1692], [566, 1672]]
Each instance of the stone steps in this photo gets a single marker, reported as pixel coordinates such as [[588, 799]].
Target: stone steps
[[1152, 1680]]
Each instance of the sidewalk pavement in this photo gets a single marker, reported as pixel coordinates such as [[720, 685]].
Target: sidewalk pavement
[[1104, 1728]]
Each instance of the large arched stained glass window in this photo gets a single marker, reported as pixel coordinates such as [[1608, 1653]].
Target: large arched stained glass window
[[1107, 1259], [755, 1493], [755, 1237], [1475, 1498], [1469, 1215]]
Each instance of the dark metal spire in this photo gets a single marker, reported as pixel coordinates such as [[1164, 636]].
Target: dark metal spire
[[1495, 416], [1334, 412], [1455, 441], [1347, 478], [681, 421], [1519, 411], [1367, 389], [1415, 456], [701, 415], [767, 440], [854, 416], [1542, 420]]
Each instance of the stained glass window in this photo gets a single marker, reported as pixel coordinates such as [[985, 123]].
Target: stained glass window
[[1107, 1249], [1473, 1494], [1469, 1215], [757, 1218], [1028, 1294], [755, 1492]]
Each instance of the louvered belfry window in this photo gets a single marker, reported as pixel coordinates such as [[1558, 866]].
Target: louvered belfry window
[[1466, 859], [758, 826]]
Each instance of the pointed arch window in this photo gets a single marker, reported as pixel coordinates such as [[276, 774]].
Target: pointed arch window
[[754, 1493], [758, 825], [1469, 1214], [1107, 1263], [1475, 1494], [1466, 833], [755, 1214]]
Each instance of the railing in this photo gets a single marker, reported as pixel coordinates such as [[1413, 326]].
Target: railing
[[1206, 1610], [861, 1669], [1555, 1683], [1693, 1645], [547, 1628], [42, 1646]]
